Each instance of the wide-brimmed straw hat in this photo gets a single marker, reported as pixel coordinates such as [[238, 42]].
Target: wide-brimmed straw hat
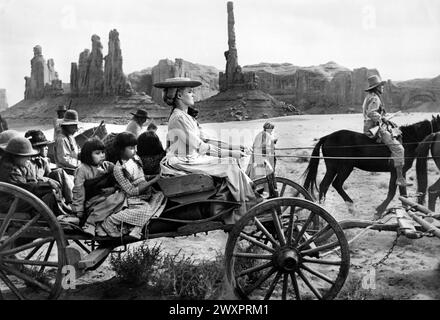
[[70, 118], [37, 138], [374, 81], [20, 146], [141, 114], [178, 82], [7, 135]]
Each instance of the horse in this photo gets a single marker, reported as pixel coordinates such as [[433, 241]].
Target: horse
[[430, 143], [81, 138], [352, 146]]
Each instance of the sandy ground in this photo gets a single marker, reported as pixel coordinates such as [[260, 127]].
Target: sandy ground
[[411, 272]]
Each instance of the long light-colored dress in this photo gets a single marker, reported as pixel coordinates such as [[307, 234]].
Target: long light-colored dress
[[188, 153], [263, 150], [141, 207]]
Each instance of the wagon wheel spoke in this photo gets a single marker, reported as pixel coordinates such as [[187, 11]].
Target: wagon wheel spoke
[[311, 287], [252, 256], [285, 286], [26, 246], [278, 228], [272, 286], [8, 216], [260, 281], [33, 252], [290, 227], [30, 262], [318, 274], [320, 261], [46, 258], [312, 251], [314, 237], [27, 278], [295, 286], [10, 285], [20, 231], [304, 227], [265, 232], [254, 269], [256, 242], [283, 189]]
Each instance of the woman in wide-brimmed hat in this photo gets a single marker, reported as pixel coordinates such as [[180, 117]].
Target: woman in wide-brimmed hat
[[136, 124], [66, 148], [15, 170], [374, 117], [188, 149]]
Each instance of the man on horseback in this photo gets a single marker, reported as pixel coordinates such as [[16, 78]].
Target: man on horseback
[[387, 132]]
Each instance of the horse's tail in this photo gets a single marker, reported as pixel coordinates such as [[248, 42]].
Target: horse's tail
[[422, 152], [312, 169]]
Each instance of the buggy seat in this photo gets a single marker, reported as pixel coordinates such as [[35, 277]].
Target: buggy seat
[[186, 188]]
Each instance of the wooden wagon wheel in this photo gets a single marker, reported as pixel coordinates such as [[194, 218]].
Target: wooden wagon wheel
[[286, 188], [294, 264], [32, 247]]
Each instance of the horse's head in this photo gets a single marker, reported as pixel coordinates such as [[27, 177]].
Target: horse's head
[[435, 123]]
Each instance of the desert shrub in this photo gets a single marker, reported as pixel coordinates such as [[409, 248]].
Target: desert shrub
[[187, 278], [137, 265]]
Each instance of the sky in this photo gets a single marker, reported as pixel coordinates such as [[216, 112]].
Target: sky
[[398, 37]]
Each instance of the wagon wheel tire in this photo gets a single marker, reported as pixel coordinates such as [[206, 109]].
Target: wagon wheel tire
[[283, 185], [32, 248], [290, 189], [297, 264]]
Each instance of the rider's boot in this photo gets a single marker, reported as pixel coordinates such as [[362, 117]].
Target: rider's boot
[[401, 181]]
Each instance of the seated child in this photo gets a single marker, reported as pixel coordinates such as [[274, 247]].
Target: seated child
[[94, 193], [40, 165], [15, 169], [143, 202]]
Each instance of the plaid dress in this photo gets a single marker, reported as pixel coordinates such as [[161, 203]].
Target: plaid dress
[[141, 207]]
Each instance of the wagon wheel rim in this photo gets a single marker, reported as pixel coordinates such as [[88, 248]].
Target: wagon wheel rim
[[32, 248], [286, 188], [295, 263]]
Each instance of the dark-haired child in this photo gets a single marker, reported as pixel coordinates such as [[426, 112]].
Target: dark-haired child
[[151, 152], [143, 201], [94, 196]]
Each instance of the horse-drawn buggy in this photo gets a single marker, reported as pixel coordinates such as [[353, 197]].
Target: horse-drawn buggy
[[277, 250]]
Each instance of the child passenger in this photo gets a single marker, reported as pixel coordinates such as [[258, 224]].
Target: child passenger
[[143, 201], [94, 193]]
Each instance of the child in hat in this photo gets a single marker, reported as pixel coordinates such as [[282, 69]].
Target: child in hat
[[40, 165], [15, 170]]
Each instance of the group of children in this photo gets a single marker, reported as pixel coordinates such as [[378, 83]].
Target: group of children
[[105, 198]]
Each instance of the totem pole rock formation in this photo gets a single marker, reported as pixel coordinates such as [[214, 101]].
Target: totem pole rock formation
[[90, 77], [3, 100], [44, 79], [234, 76]]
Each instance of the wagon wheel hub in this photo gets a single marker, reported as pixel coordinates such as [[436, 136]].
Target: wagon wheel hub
[[287, 259]]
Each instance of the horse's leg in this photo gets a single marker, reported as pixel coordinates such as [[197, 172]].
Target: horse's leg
[[406, 167], [392, 188], [338, 183], [433, 194], [325, 183]]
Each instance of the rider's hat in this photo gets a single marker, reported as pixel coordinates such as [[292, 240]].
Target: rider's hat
[[70, 118], [374, 81], [62, 108], [141, 114], [178, 82]]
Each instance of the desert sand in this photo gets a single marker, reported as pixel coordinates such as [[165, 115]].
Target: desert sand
[[411, 272]]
